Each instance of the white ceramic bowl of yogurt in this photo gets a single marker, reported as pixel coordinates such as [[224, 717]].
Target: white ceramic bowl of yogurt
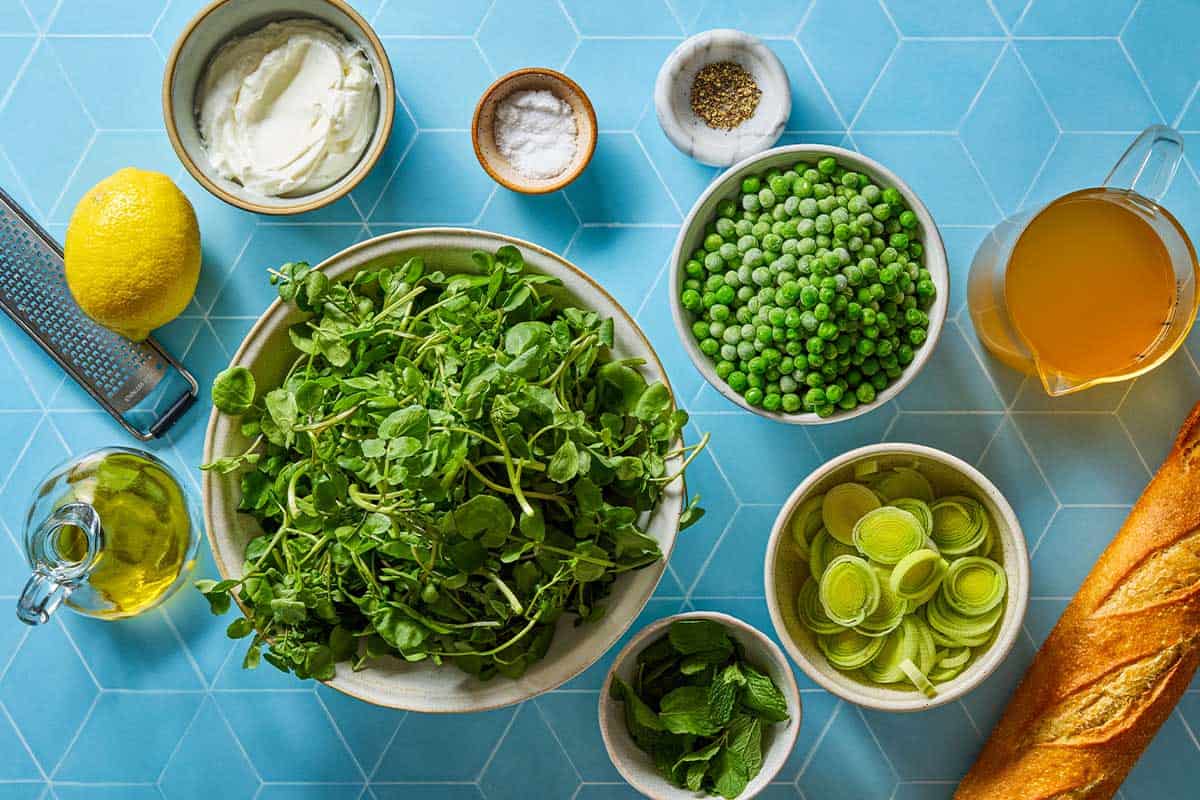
[[251, 159]]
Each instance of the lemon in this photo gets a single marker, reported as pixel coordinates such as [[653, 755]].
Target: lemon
[[133, 252]]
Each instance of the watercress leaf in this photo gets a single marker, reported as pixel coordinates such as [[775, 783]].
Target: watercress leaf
[[565, 464], [468, 555], [240, 628], [342, 643], [482, 513], [533, 526], [763, 697], [288, 612], [652, 402], [690, 636], [686, 710], [281, 405], [233, 390], [412, 421], [318, 660], [692, 514], [620, 386], [253, 655], [398, 630], [374, 448]]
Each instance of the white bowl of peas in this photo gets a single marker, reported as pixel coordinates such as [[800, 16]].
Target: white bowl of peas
[[897, 577], [809, 284]]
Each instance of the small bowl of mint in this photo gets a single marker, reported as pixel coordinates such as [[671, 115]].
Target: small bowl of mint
[[699, 704], [809, 284]]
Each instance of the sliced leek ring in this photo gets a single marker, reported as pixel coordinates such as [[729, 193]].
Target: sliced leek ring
[[844, 505], [960, 524], [919, 509], [822, 549], [926, 646], [918, 678], [888, 534], [940, 675], [904, 482], [865, 469], [849, 590], [849, 649], [810, 611], [804, 524], [957, 658], [885, 667], [956, 625], [889, 612], [974, 585], [917, 576]]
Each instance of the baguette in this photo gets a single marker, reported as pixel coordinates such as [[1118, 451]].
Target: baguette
[[1120, 657]]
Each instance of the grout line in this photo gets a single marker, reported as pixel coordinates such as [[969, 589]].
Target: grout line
[[337, 729], [816, 745], [987, 80], [1036, 87], [496, 748], [1142, 81], [21, 738], [871, 91], [179, 744], [75, 738]]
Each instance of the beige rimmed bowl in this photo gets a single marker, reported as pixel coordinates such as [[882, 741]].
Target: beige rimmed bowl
[[483, 135], [728, 185], [785, 573], [637, 767], [223, 20], [267, 352]]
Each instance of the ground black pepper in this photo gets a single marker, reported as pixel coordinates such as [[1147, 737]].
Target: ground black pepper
[[724, 95]]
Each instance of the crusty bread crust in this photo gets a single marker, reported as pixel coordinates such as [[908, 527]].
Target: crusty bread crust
[[1120, 657]]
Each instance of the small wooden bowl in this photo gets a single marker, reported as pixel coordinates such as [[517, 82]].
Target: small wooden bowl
[[483, 137]]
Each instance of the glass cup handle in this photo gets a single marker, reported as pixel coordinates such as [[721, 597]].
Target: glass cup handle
[[54, 577], [1149, 164]]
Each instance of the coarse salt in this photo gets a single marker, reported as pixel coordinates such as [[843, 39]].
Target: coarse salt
[[535, 132]]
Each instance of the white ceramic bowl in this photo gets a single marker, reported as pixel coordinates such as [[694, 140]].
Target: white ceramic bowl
[[728, 185], [785, 572], [693, 136], [267, 352], [223, 20], [637, 767]]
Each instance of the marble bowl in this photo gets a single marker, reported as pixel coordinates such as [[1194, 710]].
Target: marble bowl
[[785, 572], [223, 20], [267, 352], [728, 185], [484, 139], [637, 767], [673, 91]]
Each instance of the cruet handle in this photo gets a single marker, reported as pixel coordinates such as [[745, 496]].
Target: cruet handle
[[54, 575], [1149, 164]]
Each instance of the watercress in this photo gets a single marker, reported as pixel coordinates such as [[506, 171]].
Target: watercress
[[451, 463]]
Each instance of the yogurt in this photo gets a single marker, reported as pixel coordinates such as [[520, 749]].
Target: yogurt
[[289, 109]]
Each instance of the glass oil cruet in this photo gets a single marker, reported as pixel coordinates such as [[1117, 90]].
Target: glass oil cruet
[[1135, 186], [111, 533]]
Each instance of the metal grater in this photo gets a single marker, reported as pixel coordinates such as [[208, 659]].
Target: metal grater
[[118, 373]]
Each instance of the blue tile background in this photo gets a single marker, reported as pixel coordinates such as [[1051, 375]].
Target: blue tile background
[[984, 106]]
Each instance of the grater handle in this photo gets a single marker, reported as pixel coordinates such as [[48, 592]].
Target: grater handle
[[171, 415]]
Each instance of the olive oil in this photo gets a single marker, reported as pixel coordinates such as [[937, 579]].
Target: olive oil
[[146, 530], [1090, 286]]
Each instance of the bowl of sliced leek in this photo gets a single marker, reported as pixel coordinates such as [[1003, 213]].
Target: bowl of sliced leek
[[897, 577]]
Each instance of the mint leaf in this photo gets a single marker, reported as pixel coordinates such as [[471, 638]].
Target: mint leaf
[[744, 739], [763, 697], [686, 710], [690, 636], [729, 774]]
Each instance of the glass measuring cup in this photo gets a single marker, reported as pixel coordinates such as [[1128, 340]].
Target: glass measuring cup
[[1135, 185], [111, 533]]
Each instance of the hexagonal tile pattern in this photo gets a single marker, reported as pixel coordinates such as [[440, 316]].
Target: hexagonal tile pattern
[[928, 85], [1009, 164], [1028, 98], [510, 41], [1108, 95], [826, 38]]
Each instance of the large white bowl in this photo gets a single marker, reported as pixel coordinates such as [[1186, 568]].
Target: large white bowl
[[266, 351], [728, 185], [637, 767], [785, 572]]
